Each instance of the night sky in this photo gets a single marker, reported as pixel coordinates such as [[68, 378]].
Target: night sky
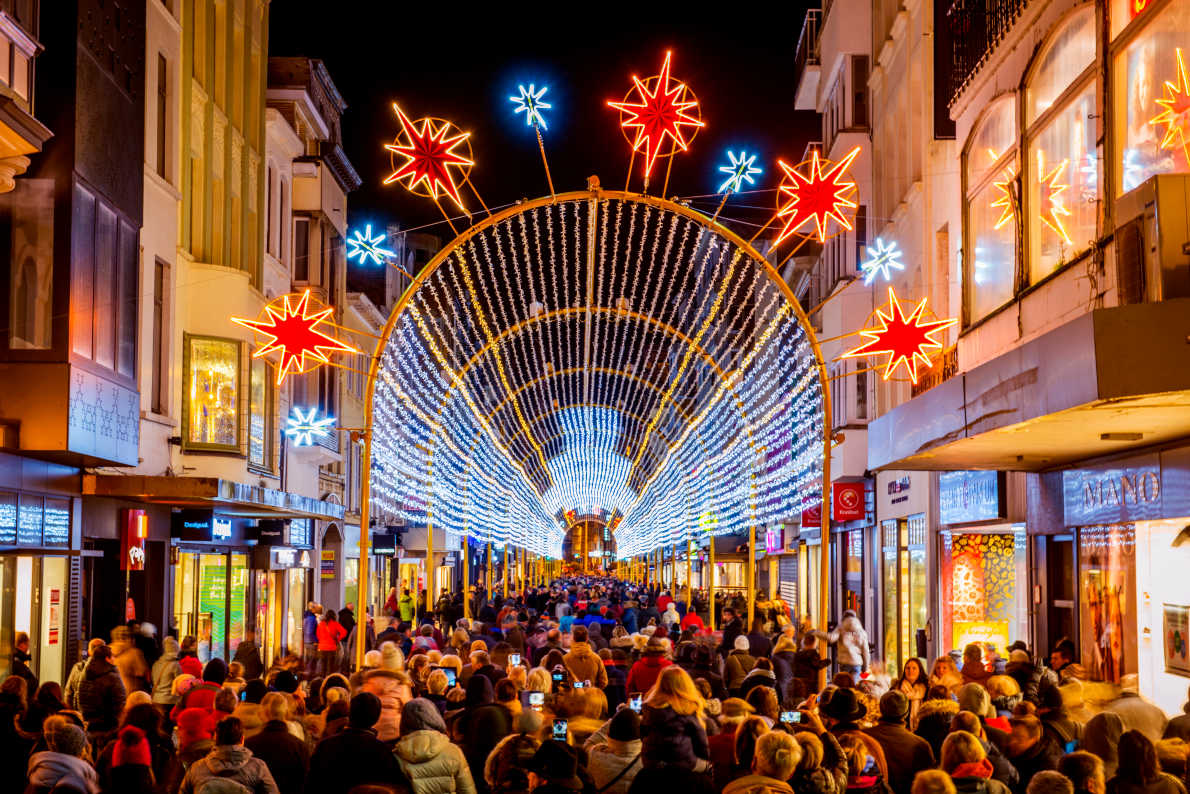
[[461, 65]]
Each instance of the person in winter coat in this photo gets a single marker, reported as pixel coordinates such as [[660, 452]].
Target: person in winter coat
[[704, 665], [131, 763], [286, 756], [615, 667], [21, 658], [101, 694], [1030, 675], [964, 760], [480, 726], [933, 719], [1056, 720], [738, 664], [823, 766], [761, 675], [165, 670], [946, 674], [229, 760], [614, 763], [582, 663], [784, 656], [354, 756], [71, 692], [1030, 750], [672, 732], [975, 670], [63, 763], [330, 633], [905, 753], [164, 766], [1002, 768], [426, 755], [852, 642], [1139, 771], [392, 686], [912, 684], [202, 694], [646, 671], [808, 661], [248, 655], [134, 671], [777, 755]]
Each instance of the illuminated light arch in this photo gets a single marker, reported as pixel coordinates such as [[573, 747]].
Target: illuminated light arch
[[752, 454]]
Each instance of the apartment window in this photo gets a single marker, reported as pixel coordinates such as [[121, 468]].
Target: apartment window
[[282, 222], [1140, 70], [260, 414], [211, 416], [327, 397], [27, 221], [861, 394], [159, 385], [861, 234], [989, 177], [162, 114], [1063, 167], [301, 249], [268, 213], [859, 90]]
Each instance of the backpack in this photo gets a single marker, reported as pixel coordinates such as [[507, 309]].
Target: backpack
[[222, 783]]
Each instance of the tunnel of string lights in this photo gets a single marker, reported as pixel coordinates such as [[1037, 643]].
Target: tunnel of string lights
[[601, 353]]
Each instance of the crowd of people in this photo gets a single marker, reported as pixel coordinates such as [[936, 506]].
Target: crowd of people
[[587, 686]]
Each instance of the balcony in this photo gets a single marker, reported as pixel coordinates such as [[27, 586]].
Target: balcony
[[806, 62], [976, 27]]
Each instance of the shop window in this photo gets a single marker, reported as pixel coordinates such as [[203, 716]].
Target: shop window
[[212, 391], [260, 415], [904, 591], [8, 519], [1063, 185], [1141, 70], [983, 588], [1107, 601], [1070, 51], [990, 163]]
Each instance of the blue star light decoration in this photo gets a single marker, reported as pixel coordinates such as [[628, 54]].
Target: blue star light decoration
[[364, 247], [304, 427], [740, 171], [529, 102], [882, 259]]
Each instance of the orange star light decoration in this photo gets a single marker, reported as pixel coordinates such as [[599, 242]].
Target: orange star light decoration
[[907, 339], [1051, 205], [661, 114], [293, 330], [429, 156], [1176, 113], [1004, 201], [817, 196]]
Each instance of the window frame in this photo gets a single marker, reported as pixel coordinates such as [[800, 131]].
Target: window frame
[[198, 446], [266, 465]]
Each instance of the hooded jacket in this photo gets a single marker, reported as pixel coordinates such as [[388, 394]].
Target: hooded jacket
[[47, 769], [427, 757], [233, 762], [852, 641], [101, 694], [584, 664], [645, 672], [614, 760], [165, 670]]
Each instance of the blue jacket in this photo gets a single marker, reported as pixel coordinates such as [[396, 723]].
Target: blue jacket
[[310, 627], [629, 620]]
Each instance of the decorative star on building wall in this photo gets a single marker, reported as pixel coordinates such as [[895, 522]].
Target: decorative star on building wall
[[1051, 204], [907, 339], [1175, 113], [882, 259], [660, 114], [292, 329], [364, 246], [1005, 199], [302, 428], [816, 196], [429, 156]]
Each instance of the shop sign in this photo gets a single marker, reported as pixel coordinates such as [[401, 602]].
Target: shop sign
[[328, 564], [774, 540], [847, 501], [220, 529], [270, 532], [132, 540], [1113, 493], [384, 543], [967, 496], [193, 524], [812, 516]]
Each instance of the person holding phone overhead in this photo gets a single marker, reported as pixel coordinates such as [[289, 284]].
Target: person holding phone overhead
[[582, 663], [613, 764]]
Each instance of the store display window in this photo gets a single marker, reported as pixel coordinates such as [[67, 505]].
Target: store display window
[[260, 415], [211, 400], [1152, 133], [903, 587], [984, 588], [1107, 601], [990, 162]]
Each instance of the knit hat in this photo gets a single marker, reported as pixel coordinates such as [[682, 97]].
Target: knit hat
[[194, 725], [894, 706], [372, 660], [131, 748], [624, 726], [66, 738], [557, 763], [655, 645], [255, 690], [741, 643], [975, 699], [215, 671], [420, 714], [191, 666], [364, 710], [390, 657]]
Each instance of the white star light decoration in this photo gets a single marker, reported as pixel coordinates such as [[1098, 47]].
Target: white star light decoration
[[303, 427], [365, 246], [882, 259], [529, 102], [740, 170]]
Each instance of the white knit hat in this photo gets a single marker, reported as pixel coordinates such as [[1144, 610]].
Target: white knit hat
[[391, 657]]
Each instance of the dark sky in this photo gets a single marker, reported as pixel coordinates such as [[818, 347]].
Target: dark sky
[[462, 65]]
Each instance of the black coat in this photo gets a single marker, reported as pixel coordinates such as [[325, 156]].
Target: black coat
[[20, 667], [101, 695], [617, 686], [283, 753], [806, 664], [481, 728], [351, 758], [711, 677], [732, 630], [1042, 756], [905, 754], [14, 747], [783, 664], [672, 739]]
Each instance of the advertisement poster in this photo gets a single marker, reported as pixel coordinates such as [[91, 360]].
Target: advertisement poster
[[1175, 629], [328, 564], [1107, 600]]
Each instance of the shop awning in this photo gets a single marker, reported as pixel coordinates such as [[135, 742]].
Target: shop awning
[[1108, 381], [226, 496]]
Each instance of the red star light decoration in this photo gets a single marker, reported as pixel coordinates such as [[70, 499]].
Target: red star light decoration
[[661, 114], [429, 156], [1176, 110], [1052, 208], [907, 339], [816, 196], [292, 329]]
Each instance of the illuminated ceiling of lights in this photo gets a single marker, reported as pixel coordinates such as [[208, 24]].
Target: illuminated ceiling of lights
[[609, 353]]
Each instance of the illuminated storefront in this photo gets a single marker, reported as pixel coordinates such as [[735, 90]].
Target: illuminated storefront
[[902, 504]]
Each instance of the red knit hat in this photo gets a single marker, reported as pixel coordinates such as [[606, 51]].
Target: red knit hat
[[191, 665], [132, 748], [194, 725]]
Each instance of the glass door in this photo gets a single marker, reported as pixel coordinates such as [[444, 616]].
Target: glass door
[[238, 608]]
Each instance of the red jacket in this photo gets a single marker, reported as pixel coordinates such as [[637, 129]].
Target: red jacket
[[692, 619], [645, 673], [329, 635]]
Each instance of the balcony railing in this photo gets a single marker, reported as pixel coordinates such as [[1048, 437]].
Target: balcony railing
[[807, 42], [976, 27], [946, 366]]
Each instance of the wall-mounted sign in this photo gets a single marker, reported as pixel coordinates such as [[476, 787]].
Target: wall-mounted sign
[[384, 543], [812, 516], [847, 501], [193, 524], [1113, 493], [967, 496], [328, 564], [220, 528], [132, 540], [270, 532]]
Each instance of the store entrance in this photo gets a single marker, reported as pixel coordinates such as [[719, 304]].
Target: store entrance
[[211, 601], [33, 602]]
